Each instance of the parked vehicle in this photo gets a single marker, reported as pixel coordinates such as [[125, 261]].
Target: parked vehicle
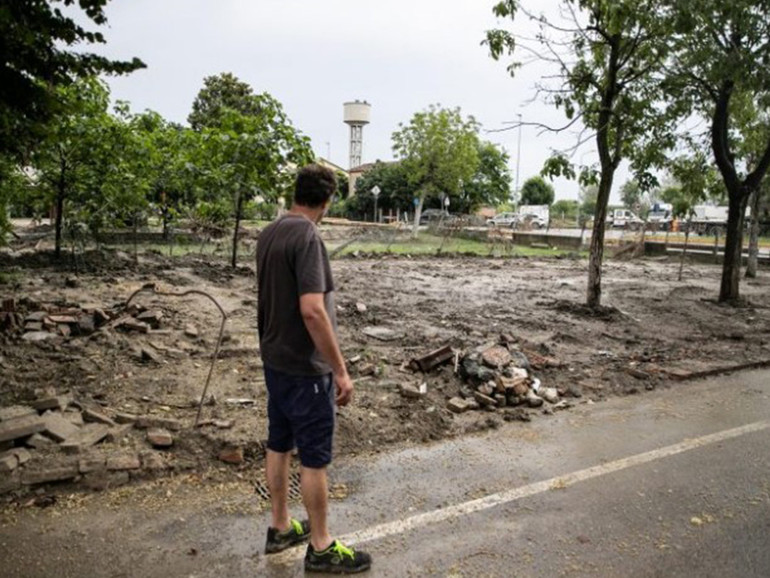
[[537, 216], [504, 220], [432, 216], [533, 221], [624, 219], [660, 216]]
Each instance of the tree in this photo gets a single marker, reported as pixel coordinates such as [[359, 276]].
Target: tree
[[630, 194], [565, 209], [720, 58], [396, 192], [439, 150], [490, 185], [251, 154], [171, 149], [220, 93], [606, 57], [536, 191], [36, 58]]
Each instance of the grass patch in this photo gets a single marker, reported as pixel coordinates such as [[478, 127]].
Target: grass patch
[[427, 244], [7, 278]]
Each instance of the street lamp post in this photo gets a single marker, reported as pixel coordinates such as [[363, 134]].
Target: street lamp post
[[518, 159], [376, 193]]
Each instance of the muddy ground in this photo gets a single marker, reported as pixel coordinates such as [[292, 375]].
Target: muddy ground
[[652, 332]]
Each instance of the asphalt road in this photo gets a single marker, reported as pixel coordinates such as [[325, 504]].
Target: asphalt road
[[672, 483]]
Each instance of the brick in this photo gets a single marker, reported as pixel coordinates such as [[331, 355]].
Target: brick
[[33, 326], [409, 391], [231, 455], [36, 336], [22, 454], [191, 331], [60, 402], [93, 416], [8, 463], [36, 316], [88, 464], [496, 357], [160, 438], [457, 405], [64, 330], [123, 462], [148, 421], [152, 318], [58, 428], [38, 442], [89, 435], [66, 319], [484, 400], [54, 473], [15, 411], [104, 480], [20, 427], [10, 483]]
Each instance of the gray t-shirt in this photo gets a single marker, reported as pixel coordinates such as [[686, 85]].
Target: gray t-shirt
[[291, 261]]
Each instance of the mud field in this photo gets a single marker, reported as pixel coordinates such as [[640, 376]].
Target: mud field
[[653, 331]]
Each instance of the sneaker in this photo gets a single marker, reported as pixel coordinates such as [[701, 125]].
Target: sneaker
[[337, 559], [278, 541]]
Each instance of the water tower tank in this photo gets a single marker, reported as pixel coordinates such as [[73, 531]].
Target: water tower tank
[[356, 114]]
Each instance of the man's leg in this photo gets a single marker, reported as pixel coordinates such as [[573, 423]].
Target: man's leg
[[277, 473], [315, 496]]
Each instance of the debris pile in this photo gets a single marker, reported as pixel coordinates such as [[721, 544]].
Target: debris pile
[[36, 322], [500, 375], [58, 439]]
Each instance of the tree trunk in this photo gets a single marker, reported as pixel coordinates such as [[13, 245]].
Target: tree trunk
[[731, 267], [751, 267], [238, 209], [594, 294]]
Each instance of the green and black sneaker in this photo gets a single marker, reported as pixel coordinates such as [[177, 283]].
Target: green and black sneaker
[[337, 559], [278, 541]]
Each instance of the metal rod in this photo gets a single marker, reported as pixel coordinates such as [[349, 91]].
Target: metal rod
[[151, 287]]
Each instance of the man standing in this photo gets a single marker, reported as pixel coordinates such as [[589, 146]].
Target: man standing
[[304, 371]]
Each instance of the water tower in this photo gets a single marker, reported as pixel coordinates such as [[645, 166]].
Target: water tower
[[356, 114]]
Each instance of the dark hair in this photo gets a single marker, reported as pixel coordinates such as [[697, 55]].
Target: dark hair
[[315, 185]]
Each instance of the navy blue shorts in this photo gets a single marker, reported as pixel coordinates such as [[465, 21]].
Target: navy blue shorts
[[300, 411]]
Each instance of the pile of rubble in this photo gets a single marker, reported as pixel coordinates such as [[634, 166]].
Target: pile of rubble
[[500, 375], [36, 322], [56, 438]]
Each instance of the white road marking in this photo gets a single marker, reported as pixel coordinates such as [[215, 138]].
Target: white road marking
[[419, 520]]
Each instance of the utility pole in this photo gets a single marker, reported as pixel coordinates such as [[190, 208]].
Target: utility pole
[[518, 159]]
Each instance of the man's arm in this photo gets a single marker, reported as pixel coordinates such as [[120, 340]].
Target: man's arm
[[319, 326]]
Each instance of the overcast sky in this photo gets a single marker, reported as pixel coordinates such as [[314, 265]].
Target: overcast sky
[[399, 55]]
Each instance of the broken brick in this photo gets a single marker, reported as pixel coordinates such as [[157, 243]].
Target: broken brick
[[160, 438], [123, 462], [59, 428], [231, 455], [53, 473], [20, 427], [93, 416]]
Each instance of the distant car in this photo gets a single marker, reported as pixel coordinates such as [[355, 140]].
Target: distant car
[[430, 216], [534, 221], [504, 220]]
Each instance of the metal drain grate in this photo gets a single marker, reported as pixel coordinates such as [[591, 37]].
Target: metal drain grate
[[260, 488]]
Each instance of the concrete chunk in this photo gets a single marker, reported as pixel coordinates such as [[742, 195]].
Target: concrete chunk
[[55, 473], [8, 463], [10, 483], [14, 411], [89, 435], [59, 402], [93, 416], [38, 441], [457, 405], [20, 427], [59, 428], [124, 462]]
